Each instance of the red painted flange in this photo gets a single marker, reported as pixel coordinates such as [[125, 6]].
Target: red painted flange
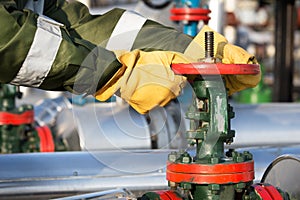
[[168, 195], [267, 192], [210, 178], [46, 139], [211, 174], [16, 119], [190, 14], [221, 168], [216, 68]]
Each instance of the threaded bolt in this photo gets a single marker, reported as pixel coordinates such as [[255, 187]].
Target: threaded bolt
[[209, 44]]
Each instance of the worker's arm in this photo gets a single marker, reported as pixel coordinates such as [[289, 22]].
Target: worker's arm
[[38, 52], [120, 29], [68, 53], [117, 26], [78, 34]]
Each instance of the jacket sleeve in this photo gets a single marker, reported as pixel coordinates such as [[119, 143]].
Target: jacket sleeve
[[116, 26], [40, 52], [122, 29], [66, 47]]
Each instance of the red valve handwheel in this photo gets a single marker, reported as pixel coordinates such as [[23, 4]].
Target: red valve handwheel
[[190, 14], [190, 11], [216, 68]]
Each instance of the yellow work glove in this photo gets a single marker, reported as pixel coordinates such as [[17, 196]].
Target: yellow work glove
[[228, 54], [145, 80]]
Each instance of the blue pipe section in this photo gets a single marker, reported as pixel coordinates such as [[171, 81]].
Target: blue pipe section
[[190, 28]]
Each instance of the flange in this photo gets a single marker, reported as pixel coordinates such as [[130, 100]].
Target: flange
[[46, 139], [211, 174], [16, 118], [267, 192], [190, 14]]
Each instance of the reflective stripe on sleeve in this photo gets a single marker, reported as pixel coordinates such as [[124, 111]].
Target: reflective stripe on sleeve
[[125, 32], [41, 54]]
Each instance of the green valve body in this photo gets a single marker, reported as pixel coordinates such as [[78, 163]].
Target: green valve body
[[210, 130], [17, 133], [206, 171]]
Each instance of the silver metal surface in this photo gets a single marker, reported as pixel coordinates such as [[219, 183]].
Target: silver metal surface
[[117, 194], [61, 174], [111, 126], [47, 110], [116, 126], [270, 124], [167, 127]]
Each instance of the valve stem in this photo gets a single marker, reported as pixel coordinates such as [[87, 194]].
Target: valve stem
[[209, 44]]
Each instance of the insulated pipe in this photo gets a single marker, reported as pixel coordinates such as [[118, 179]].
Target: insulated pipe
[[270, 124], [116, 126], [113, 126], [48, 175]]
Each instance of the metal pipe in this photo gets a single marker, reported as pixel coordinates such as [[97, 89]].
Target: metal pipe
[[284, 43], [111, 194], [54, 175], [60, 174], [270, 124]]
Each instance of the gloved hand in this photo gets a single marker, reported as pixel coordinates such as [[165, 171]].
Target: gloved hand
[[228, 54], [145, 80]]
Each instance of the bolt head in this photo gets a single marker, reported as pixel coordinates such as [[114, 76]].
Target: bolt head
[[172, 157], [214, 187], [214, 160]]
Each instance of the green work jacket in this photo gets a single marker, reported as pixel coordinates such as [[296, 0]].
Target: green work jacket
[[56, 45]]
